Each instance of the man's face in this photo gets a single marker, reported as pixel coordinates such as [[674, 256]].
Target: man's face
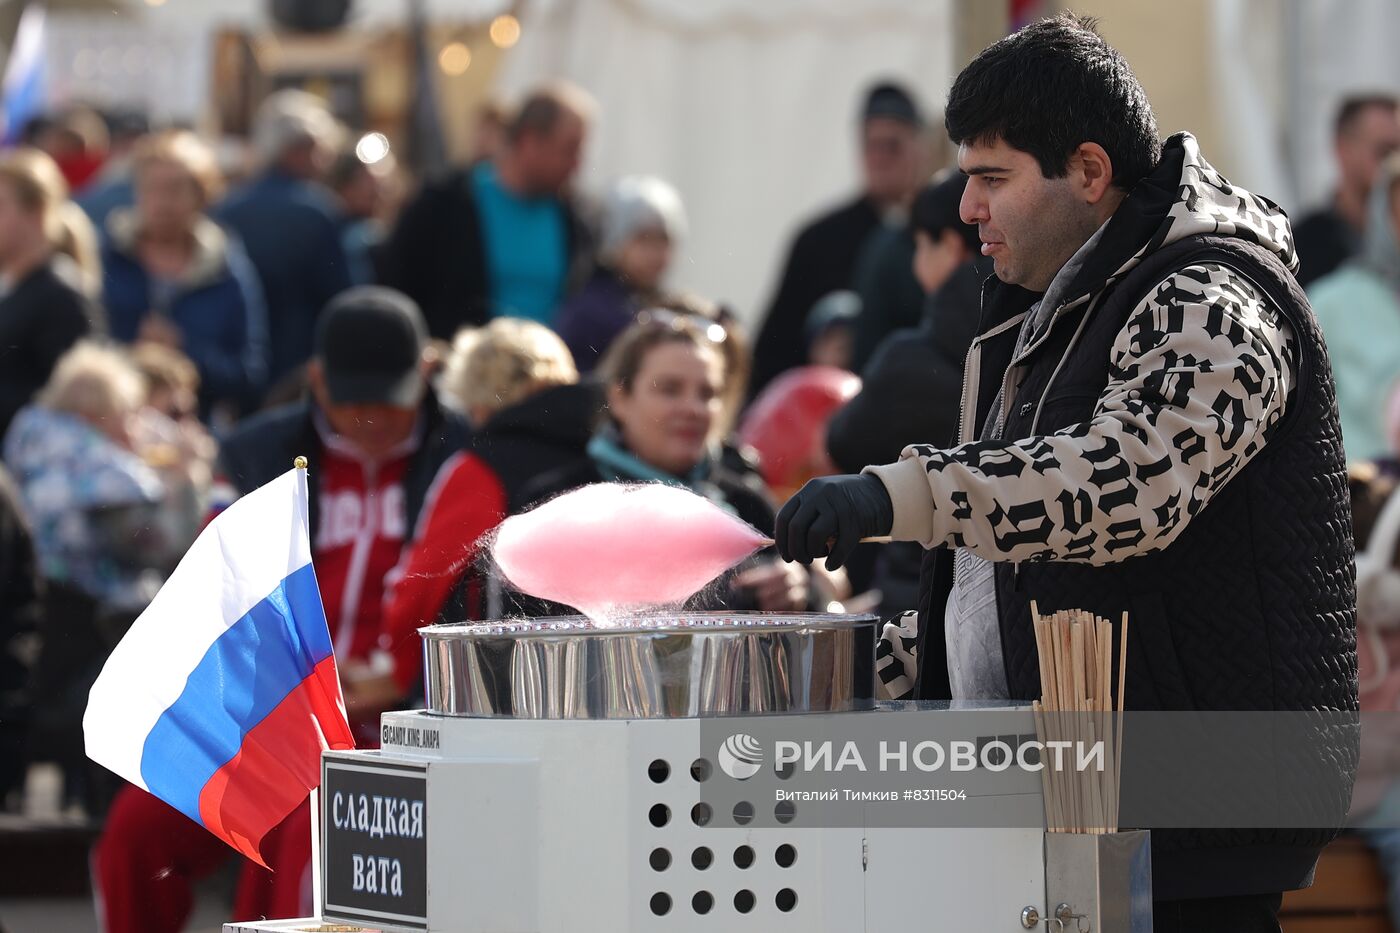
[[1373, 135], [374, 429], [167, 198], [891, 158], [552, 159], [1029, 224]]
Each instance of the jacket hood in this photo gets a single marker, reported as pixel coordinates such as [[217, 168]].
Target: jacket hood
[[211, 246], [1183, 196]]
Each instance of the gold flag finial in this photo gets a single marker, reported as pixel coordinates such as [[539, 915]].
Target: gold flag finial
[[299, 463]]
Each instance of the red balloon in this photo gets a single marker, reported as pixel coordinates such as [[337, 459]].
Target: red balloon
[[786, 424]]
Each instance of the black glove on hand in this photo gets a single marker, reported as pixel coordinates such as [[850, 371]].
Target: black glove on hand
[[829, 516]]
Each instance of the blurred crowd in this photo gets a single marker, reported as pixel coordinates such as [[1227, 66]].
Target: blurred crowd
[[175, 330]]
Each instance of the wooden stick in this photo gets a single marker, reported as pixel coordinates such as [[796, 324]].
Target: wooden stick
[[1106, 719], [1118, 758], [1105, 666], [1065, 788], [876, 539], [1091, 665], [1076, 675], [1042, 646], [1076, 662], [1082, 792], [1062, 662], [1096, 785], [1038, 626], [1047, 792], [1064, 720]]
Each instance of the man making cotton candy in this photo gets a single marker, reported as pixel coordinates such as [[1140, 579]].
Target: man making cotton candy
[[1148, 426]]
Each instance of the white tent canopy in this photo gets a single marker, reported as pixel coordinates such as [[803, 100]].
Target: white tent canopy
[[748, 108]]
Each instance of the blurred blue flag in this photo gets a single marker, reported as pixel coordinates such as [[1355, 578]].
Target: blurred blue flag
[[24, 86]]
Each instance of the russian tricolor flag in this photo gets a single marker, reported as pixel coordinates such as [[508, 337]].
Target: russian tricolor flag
[[223, 694]]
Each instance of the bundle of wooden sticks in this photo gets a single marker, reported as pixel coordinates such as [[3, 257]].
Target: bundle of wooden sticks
[[1077, 706]]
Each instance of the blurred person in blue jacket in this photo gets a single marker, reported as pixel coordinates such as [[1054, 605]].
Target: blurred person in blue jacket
[[289, 223], [1358, 307], [173, 276]]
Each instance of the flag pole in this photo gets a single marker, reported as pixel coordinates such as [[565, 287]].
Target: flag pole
[[315, 799]]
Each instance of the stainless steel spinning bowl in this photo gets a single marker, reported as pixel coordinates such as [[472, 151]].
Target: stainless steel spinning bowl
[[652, 667]]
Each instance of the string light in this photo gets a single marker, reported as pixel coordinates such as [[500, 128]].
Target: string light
[[505, 31], [454, 59]]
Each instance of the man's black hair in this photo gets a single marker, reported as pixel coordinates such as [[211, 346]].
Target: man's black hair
[[1050, 87]]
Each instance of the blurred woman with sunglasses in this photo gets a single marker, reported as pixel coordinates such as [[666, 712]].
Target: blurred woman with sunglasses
[[666, 381]]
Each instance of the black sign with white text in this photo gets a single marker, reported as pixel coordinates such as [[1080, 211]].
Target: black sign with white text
[[375, 859]]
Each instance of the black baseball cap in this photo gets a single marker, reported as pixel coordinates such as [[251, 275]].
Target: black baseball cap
[[888, 99], [370, 342]]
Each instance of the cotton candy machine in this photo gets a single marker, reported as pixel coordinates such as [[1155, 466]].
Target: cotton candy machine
[[566, 777], [652, 667]]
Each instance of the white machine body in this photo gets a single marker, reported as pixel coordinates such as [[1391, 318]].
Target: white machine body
[[547, 825]]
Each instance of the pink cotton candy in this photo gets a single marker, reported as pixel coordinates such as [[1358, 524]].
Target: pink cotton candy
[[609, 547]]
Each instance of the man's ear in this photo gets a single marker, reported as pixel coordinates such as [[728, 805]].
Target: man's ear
[[1094, 171]]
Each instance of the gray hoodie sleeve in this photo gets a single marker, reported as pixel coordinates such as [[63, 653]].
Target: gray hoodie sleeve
[[1183, 412]]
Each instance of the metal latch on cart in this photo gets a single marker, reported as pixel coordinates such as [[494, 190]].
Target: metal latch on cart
[[1064, 913]]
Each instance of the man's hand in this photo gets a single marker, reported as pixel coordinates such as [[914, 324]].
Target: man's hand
[[829, 516]]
